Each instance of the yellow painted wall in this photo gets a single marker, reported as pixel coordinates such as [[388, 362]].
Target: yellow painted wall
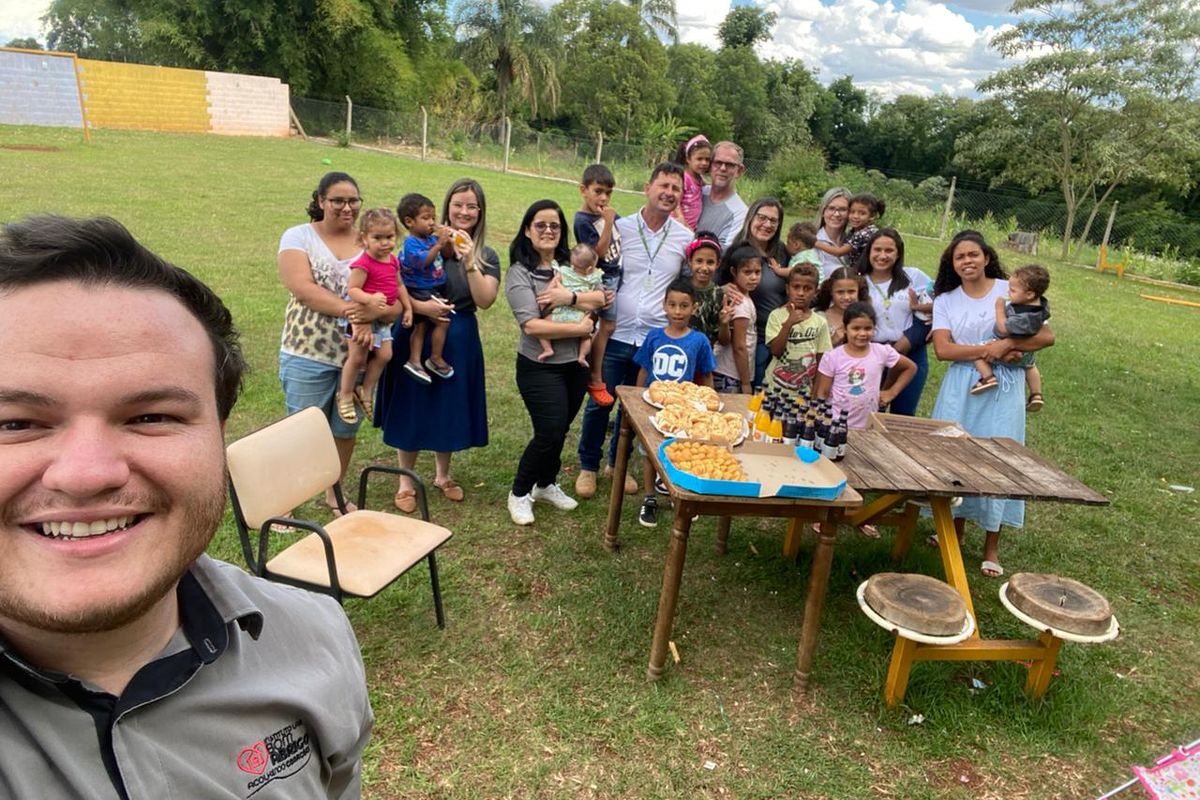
[[144, 97]]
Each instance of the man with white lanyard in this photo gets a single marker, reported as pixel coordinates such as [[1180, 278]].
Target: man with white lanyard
[[652, 257]]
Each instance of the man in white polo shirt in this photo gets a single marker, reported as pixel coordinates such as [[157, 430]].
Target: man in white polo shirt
[[131, 664], [652, 255], [724, 211]]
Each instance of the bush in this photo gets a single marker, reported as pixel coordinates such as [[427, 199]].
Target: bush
[[797, 176]]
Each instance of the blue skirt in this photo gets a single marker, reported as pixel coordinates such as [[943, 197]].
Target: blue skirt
[[445, 416], [996, 413]]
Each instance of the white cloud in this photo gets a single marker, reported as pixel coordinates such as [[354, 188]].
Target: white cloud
[[20, 19], [923, 48]]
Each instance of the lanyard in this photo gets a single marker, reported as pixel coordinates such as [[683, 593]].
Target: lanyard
[[886, 298], [646, 245]]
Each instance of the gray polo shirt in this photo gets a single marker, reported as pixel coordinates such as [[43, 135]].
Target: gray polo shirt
[[261, 693]]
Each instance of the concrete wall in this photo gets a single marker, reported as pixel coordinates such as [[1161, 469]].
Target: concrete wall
[[39, 89], [43, 89]]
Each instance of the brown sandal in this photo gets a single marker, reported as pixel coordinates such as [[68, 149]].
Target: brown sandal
[[406, 500], [984, 385], [1036, 401], [450, 490]]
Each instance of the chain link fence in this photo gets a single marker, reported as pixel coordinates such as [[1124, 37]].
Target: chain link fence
[[1149, 242]]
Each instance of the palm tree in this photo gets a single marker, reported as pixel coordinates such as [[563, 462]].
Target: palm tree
[[658, 15], [514, 39]]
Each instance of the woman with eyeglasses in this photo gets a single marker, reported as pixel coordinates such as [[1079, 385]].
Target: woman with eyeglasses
[[448, 415], [764, 221], [552, 387], [832, 219], [314, 264]]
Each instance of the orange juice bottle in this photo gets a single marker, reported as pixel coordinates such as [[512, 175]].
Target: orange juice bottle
[[753, 406], [762, 426], [776, 430]]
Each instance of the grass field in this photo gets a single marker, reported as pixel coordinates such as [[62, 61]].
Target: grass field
[[536, 688]]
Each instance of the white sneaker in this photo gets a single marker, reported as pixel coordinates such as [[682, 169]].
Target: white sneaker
[[520, 509], [555, 496]]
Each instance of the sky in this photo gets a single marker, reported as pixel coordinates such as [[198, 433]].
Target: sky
[[892, 48]]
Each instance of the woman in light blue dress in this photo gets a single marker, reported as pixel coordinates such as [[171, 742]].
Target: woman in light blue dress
[[969, 280]]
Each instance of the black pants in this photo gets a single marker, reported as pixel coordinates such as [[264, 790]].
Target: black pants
[[553, 394]]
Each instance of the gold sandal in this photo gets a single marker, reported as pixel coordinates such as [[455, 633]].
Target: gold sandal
[[367, 402], [346, 410]]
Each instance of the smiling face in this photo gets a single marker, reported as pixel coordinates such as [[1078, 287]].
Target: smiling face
[[663, 193], [834, 216], [725, 167], [765, 224], [859, 332], [883, 255], [544, 232], [341, 205], [111, 454], [463, 211], [859, 215], [844, 293], [970, 262], [704, 265]]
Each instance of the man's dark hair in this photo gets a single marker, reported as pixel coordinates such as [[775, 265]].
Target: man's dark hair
[[410, 206], [101, 252], [683, 286], [598, 173], [1035, 277], [667, 168]]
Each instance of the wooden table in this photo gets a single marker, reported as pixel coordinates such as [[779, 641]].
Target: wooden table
[[636, 419], [903, 467]]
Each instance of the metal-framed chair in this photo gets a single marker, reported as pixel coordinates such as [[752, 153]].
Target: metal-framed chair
[[358, 554]]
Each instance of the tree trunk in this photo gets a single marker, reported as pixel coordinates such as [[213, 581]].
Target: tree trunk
[[1087, 228]]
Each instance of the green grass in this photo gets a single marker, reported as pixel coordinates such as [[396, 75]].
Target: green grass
[[537, 688]]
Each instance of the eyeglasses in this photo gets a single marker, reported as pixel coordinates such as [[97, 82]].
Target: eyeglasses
[[342, 202], [724, 164], [464, 206], [831, 210], [541, 227], [765, 220]]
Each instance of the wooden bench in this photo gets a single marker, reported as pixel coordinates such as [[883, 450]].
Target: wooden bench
[[1023, 242]]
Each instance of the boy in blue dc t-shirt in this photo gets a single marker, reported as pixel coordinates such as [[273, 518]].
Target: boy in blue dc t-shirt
[[674, 353]]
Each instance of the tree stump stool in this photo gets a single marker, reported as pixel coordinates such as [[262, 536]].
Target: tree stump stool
[[1060, 609], [919, 610]]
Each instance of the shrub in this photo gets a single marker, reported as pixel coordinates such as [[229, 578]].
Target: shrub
[[797, 176]]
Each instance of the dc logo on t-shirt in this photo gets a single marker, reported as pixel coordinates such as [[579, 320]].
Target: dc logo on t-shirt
[[670, 363]]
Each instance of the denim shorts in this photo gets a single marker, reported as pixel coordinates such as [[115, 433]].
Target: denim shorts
[[311, 383], [380, 332], [611, 284]]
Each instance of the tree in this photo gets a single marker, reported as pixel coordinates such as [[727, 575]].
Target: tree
[[28, 43], [697, 96], [741, 80], [917, 134], [513, 40], [658, 16], [745, 26], [1095, 99], [838, 122]]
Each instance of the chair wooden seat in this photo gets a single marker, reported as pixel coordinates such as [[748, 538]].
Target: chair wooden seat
[[371, 548], [916, 603], [277, 469], [1060, 603]]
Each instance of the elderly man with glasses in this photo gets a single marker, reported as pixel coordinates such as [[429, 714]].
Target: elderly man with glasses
[[724, 211]]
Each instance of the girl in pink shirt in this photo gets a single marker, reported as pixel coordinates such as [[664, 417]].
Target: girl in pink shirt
[[853, 372], [696, 156]]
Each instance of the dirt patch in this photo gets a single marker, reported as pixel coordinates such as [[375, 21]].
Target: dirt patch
[[36, 148]]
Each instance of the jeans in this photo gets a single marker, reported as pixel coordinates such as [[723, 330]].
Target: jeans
[[552, 394], [618, 369], [906, 402], [762, 357], [311, 383]]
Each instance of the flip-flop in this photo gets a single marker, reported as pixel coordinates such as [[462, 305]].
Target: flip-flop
[[984, 385], [869, 531], [932, 541], [450, 490], [406, 500], [991, 569], [337, 512]]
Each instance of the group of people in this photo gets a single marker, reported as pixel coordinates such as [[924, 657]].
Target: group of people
[[114, 625], [831, 310]]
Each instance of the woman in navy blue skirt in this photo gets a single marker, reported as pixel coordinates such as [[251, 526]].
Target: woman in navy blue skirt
[[447, 415]]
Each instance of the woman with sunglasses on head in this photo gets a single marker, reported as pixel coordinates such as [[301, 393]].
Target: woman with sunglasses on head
[[314, 264], [764, 221], [552, 387]]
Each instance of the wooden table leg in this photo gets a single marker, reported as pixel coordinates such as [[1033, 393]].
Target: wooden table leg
[[952, 562], [617, 492], [898, 671], [818, 583], [669, 597], [791, 542], [905, 533], [1042, 670], [723, 535]]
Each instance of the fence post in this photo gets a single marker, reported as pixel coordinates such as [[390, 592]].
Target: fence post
[[349, 114], [507, 140], [599, 146], [1112, 215], [424, 132], [949, 205], [539, 153]]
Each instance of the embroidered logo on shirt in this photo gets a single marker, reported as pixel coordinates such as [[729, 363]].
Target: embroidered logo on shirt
[[280, 755]]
